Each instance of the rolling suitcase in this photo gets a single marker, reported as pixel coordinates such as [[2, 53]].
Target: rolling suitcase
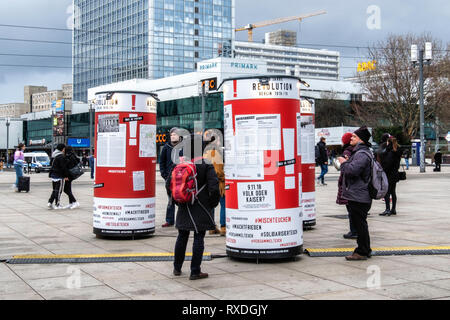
[[24, 184]]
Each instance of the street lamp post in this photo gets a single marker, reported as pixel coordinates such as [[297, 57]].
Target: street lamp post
[[8, 122], [90, 128], [420, 60], [52, 119]]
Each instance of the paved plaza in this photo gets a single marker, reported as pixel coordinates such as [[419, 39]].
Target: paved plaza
[[423, 219]]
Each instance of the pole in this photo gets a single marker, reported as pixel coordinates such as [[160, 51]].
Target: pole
[[436, 147], [7, 140], [53, 136], [90, 129], [203, 107], [422, 116]]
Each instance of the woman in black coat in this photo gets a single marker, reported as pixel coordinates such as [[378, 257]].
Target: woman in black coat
[[200, 216], [390, 161]]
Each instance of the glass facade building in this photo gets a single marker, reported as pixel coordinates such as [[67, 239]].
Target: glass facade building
[[116, 40]]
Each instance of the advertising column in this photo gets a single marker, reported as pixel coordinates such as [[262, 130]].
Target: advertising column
[[125, 166], [262, 167], [306, 121]]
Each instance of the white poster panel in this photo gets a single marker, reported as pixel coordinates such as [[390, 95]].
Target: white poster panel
[[264, 229], [138, 180], [256, 195], [309, 205], [111, 145], [258, 132], [124, 214], [307, 139], [289, 145], [147, 140]]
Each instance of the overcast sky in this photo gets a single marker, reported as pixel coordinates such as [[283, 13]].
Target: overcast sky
[[346, 23]]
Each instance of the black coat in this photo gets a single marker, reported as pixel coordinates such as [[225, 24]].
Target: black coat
[[59, 168], [166, 163], [323, 156], [209, 197], [71, 160], [390, 162]]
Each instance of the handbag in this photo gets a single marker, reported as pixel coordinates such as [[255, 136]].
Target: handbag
[[402, 175], [76, 171]]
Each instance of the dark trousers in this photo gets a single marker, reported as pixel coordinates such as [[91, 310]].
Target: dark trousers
[[58, 187], [197, 250], [350, 222], [437, 167], [170, 212], [68, 191], [391, 192], [358, 212]]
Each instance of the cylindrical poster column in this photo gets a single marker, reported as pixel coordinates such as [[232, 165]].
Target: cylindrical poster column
[[307, 121], [262, 167], [125, 168]]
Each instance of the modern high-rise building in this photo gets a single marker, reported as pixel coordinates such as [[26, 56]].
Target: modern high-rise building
[[116, 40], [307, 63]]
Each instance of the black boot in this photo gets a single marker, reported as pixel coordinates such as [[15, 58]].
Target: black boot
[[386, 212]]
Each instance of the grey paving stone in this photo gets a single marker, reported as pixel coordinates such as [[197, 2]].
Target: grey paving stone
[[412, 291], [247, 292]]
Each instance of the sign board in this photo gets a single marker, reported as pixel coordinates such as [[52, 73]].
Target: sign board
[[78, 142]]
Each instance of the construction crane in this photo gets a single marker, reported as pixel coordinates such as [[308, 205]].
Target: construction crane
[[252, 26]]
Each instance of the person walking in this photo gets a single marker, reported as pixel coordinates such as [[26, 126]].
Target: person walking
[[198, 216], [356, 178], [19, 162], [390, 162], [437, 161], [346, 153], [84, 160], [406, 156], [71, 160], [58, 173], [322, 160], [166, 164], [214, 156]]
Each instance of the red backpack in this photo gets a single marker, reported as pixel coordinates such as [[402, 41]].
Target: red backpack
[[183, 184]]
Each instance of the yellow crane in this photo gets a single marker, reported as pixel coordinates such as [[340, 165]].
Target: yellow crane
[[252, 26]]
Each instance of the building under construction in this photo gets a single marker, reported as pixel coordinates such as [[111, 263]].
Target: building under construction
[[285, 38]]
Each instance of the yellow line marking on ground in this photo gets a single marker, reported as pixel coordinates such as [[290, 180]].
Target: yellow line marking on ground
[[112, 255]]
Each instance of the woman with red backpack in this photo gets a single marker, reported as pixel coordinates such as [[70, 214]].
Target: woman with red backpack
[[194, 187]]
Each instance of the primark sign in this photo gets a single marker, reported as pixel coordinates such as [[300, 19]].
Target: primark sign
[[233, 66]]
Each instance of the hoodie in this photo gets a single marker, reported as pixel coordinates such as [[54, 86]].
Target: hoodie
[[58, 169]]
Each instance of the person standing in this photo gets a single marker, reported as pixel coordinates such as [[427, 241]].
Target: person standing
[[214, 156], [346, 153], [71, 160], [58, 173], [437, 161], [356, 174], [84, 160], [92, 165], [166, 164], [406, 155], [390, 162], [19, 162], [322, 161], [197, 217]]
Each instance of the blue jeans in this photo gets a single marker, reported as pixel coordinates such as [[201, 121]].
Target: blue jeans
[[19, 173], [223, 221], [324, 168], [407, 163]]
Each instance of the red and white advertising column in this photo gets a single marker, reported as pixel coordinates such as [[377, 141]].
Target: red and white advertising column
[[262, 167], [306, 120], [125, 166]]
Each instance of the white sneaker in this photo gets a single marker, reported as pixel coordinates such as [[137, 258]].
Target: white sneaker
[[50, 206], [58, 207], [75, 205]]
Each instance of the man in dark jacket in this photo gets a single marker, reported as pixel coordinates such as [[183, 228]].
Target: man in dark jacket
[[197, 217], [166, 164], [437, 161], [58, 173], [356, 175], [322, 160]]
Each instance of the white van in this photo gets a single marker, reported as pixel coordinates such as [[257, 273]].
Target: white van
[[39, 161]]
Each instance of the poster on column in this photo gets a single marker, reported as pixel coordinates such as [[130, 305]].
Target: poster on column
[[258, 132], [307, 139], [256, 195], [111, 145], [147, 140]]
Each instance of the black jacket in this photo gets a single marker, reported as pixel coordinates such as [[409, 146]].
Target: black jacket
[[390, 162], [71, 160], [209, 197], [323, 156], [166, 162], [59, 168], [438, 158]]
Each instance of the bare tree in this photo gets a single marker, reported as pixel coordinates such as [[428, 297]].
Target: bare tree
[[331, 112], [392, 89]]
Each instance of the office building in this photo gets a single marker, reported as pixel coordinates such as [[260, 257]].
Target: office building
[[306, 63], [281, 38], [13, 110], [117, 40]]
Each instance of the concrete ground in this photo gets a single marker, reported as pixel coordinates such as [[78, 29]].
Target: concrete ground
[[423, 219]]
